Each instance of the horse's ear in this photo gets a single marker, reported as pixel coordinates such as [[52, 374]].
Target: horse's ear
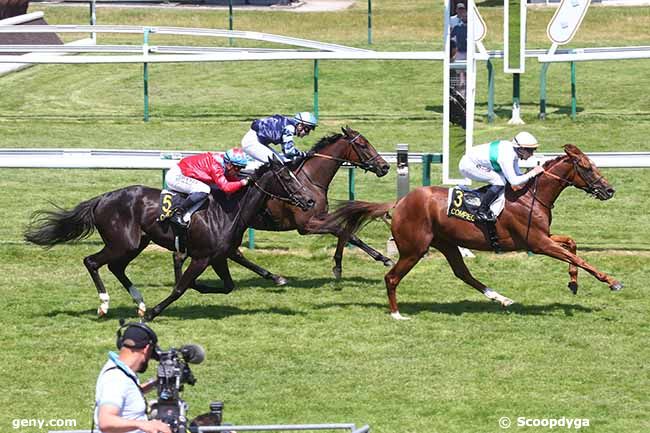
[[573, 151], [344, 130]]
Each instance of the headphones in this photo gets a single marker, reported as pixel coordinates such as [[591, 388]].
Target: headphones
[[153, 338]]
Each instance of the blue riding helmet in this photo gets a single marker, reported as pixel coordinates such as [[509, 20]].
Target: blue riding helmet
[[307, 118], [236, 157]]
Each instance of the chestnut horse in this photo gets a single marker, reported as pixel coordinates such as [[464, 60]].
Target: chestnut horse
[[419, 220], [127, 220]]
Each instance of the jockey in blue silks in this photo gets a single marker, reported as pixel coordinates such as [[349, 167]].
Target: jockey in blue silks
[[277, 129]]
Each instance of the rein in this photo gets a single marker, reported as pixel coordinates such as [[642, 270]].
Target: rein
[[365, 165], [290, 199]]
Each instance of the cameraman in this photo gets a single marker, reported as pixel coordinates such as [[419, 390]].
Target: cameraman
[[120, 405]]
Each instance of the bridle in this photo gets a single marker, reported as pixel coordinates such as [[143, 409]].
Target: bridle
[[365, 165], [291, 195], [589, 189]]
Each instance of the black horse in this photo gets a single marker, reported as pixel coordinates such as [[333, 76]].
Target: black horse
[[316, 173], [127, 220]]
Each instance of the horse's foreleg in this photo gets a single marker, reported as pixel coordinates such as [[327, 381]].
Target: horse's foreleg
[[239, 258], [195, 268], [178, 260], [455, 260], [220, 267], [555, 250], [570, 245]]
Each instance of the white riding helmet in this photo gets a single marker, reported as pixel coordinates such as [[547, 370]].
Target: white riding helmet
[[526, 140]]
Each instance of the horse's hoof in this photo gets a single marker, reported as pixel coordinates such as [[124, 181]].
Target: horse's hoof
[[148, 316], [506, 302], [616, 286], [388, 263], [142, 309], [337, 272], [398, 316], [279, 281], [573, 286], [102, 310]]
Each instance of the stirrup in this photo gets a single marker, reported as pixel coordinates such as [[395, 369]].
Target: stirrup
[[486, 216], [177, 219]]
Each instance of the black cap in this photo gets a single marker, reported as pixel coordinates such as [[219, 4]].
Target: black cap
[[138, 336]]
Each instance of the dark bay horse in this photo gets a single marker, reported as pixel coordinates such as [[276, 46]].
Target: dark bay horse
[[126, 219], [316, 173], [419, 221]]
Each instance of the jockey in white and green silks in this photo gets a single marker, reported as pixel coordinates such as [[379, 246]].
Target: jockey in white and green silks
[[497, 163]]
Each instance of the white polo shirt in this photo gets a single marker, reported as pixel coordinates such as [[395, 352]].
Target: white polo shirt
[[118, 385]]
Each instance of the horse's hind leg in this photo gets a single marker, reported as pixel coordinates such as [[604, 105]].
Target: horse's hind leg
[[95, 261], [455, 260], [370, 251], [118, 266], [239, 258], [570, 245], [195, 268]]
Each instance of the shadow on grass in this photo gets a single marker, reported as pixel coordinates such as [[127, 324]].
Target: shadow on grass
[[216, 312], [471, 307], [293, 283]]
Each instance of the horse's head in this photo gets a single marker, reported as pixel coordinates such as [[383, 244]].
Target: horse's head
[[585, 174], [278, 181], [352, 147], [363, 154]]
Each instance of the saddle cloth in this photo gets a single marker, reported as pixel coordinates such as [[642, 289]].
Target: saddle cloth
[[169, 201], [463, 203]]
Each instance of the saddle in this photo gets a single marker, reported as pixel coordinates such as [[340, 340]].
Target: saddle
[[464, 202]]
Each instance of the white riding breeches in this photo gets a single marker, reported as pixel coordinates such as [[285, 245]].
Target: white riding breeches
[[177, 181], [478, 172], [256, 150]]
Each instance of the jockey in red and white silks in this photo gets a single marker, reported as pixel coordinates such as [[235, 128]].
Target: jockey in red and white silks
[[194, 174]]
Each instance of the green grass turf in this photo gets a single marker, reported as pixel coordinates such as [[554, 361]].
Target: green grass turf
[[319, 350]]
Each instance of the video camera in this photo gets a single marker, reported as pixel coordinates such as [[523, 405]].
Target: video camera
[[173, 372]]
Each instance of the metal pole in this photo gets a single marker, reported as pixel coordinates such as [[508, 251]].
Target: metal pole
[[230, 19], [426, 169], [93, 19], [515, 89], [542, 91], [573, 91], [145, 50], [369, 22], [490, 113], [316, 88], [351, 189]]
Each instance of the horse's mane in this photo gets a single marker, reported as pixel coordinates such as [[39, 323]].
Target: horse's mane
[[325, 141], [547, 165]]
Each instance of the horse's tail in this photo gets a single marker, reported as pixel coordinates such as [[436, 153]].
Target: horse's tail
[[352, 215], [51, 227]]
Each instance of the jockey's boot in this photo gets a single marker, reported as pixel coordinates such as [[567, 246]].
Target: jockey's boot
[[182, 215], [484, 213]]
